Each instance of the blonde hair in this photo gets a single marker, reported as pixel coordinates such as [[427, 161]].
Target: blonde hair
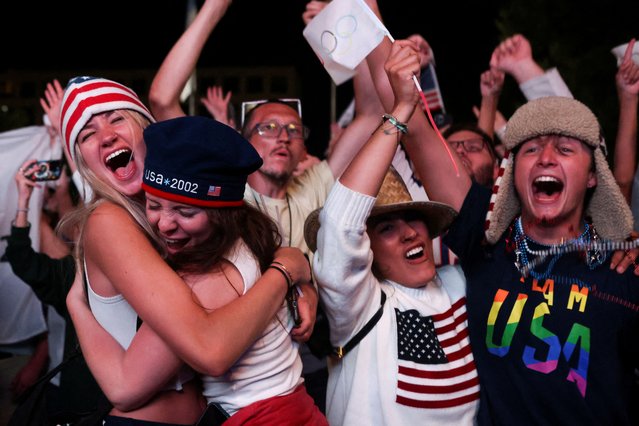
[[104, 192]]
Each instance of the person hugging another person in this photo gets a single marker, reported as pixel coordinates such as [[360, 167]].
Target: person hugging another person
[[155, 317], [194, 177]]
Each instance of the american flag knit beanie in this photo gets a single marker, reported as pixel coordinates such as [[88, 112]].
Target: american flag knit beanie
[[86, 96]]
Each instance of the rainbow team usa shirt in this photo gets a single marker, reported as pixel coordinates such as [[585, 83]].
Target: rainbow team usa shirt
[[558, 349]]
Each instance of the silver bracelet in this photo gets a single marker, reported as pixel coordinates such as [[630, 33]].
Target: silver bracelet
[[402, 127], [285, 272]]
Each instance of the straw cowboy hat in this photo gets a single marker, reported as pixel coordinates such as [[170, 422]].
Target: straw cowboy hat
[[393, 197]]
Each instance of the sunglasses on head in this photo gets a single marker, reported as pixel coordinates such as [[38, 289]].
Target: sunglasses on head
[[249, 106]]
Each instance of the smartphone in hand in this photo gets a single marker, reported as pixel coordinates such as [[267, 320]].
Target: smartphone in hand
[[291, 300], [47, 170]]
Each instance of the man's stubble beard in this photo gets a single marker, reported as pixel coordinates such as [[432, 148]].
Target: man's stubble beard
[[278, 177], [484, 176]]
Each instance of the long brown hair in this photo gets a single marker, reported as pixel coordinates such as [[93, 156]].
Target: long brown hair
[[228, 225]]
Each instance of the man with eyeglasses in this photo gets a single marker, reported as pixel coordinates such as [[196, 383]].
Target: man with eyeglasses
[[474, 148], [276, 131]]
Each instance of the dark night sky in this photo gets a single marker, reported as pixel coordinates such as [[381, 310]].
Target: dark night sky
[[119, 34]]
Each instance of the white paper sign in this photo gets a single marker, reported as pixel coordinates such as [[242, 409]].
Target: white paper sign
[[342, 35]]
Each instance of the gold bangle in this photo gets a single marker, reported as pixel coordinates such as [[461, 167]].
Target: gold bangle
[[282, 269]]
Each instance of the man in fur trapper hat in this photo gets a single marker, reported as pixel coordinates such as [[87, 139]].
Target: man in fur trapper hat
[[554, 328]]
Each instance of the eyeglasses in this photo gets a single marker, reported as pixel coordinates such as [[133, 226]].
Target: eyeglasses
[[469, 145], [273, 129], [248, 106]]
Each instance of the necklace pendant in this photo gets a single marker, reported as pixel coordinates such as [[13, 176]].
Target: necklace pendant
[[518, 259]]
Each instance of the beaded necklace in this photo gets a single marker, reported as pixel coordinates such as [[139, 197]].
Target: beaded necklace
[[588, 242]]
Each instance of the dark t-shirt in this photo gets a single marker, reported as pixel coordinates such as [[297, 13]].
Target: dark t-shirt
[[561, 349]]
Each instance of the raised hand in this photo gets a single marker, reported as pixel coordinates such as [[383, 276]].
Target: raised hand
[[425, 52], [625, 164], [627, 77], [313, 7], [402, 64], [24, 183], [52, 102], [217, 103], [514, 56], [491, 82]]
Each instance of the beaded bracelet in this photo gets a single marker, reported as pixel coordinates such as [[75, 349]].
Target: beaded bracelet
[[22, 210], [282, 269], [401, 127]]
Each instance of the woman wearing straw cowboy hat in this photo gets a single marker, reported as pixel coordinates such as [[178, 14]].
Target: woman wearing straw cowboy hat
[[412, 363], [553, 327]]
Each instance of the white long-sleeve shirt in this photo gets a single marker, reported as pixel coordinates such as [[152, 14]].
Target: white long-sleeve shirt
[[415, 366]]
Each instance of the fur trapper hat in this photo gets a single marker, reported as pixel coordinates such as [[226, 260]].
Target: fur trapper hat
[[87, 96], [561, 116]]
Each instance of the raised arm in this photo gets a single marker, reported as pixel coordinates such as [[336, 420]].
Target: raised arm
[[625, 164], [51, 104], [490, 84], [312, 8], [164, 95], [439, 168], [499, 127], [208, 341], [48, 278], [514, 56], [366, 172], [368, 115], [368, 109]]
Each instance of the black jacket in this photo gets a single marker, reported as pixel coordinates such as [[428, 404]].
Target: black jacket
[[50, 280]]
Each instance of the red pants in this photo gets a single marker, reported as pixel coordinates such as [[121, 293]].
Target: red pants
[[295, 409]]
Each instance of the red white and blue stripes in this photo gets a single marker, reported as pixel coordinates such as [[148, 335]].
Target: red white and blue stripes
[[86, 96]]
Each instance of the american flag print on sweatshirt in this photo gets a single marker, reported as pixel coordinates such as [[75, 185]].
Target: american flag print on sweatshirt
[[436, 366]]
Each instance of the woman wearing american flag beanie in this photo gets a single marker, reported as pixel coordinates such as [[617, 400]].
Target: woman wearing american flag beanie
[[102, 124], [374, 259]]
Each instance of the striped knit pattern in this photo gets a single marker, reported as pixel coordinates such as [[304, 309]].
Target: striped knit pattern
[[493, 197], [86, 96]]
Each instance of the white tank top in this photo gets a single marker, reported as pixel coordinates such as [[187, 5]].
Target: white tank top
[[119, 319], [270, 367]]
